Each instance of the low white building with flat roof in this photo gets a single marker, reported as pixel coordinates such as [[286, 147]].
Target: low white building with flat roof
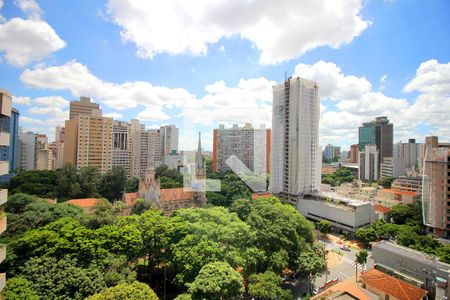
[[343, 213]]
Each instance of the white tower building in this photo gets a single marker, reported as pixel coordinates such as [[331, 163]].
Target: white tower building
[[296, 156]]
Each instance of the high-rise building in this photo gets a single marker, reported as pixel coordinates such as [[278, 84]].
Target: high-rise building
[[70, 142], [436, 187], [331, 152], [59, 134], [121, 152], [84, 107], [296, 156], [368, 163], [250, 145], [56, 154], [94, 145], [354, 153], [408, 152], [5, 131], [14, 140], [170, 138]]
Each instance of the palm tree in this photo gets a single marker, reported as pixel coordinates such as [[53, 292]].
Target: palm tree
[[361, 258]]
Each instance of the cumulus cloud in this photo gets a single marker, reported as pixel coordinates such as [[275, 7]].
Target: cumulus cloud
[[114, 115], [51, 110], [24, 41], [279, 30], [77, 78], [21, 100]]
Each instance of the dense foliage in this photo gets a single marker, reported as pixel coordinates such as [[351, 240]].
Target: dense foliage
[[124, 291], [343, 174], [60, 251]]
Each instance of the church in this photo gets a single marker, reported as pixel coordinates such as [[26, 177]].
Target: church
[[169, 200]]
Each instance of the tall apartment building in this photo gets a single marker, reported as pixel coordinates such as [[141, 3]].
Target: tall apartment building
[[368, 166], [56, 153], [5, 131], [41, 152], [170, 134], [27, 144], [121, 152], [59, 134], [380, 133], [84, 107], [354, 153], [331, 152], [296, 156], [408, 152], [250, 145], [436, 187]]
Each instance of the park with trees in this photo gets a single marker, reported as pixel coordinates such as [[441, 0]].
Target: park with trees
[[233, 247]]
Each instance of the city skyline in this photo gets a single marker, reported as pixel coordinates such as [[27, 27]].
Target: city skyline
[[221, 79]]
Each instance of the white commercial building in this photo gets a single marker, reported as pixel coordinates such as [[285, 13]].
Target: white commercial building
[[343, 213], [296, 157], [121, 153], [27, 147], [368, 166]]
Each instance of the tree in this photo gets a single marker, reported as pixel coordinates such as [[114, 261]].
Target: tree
[[338, 177], [361, 258], [403, 213], [386, 182], [267, 285], [132, 185], [324, 227], [101, 215], [141, 206], [126, 291], [311, 264], [89, 181], [217, 199], [41, 183], [217, 280], [68, 185], [18, 288], [112, 184], [18, 202]]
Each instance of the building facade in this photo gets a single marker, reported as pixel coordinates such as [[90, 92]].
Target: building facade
[[121, 152], [368, 163], [251, 146], [296, 156], [331, 152], [436, 187], [5, 131], [84, 107]]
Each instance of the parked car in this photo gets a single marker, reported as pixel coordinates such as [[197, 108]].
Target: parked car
[[345, 248]]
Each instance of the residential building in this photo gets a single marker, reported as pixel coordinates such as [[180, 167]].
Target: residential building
[[368, 163], [14, 141], [389, 287], [5, 132], [56, 154], [296, 157], [343, 213], [436, 187], [121, 151], [382, 212], [409, 153], [84, 107], [331, 152], [27, 146], [392, 167], [354, 154], [250, 145], [415, 267], [169, 135], [393, 197], [41, 153], [59, 134], [378, 133], [70, 142], [408, 183]]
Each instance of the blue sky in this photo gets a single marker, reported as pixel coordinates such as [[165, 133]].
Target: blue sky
[[198, 64]]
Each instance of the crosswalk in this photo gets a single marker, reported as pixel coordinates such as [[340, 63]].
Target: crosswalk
[[352, 262]]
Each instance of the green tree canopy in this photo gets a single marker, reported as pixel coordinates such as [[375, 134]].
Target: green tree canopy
[[324, 227], [267, 285], [112, 184], [19, 288], [126, 291], [41, 183], [217, 280]]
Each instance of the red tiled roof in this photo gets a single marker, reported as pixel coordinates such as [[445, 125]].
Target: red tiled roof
[[392, 286], [259, 195], [176, 194], [399, 192], [87, 202], [129, 199], [350, 288], [382, 209]]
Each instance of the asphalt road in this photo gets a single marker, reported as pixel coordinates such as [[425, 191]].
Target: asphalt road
[[345, 269]]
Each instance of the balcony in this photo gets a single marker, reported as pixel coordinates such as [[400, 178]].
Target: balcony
[[2, 222], [4, 167], [3, 196], [2, 252], [4, 138], [2, 281]]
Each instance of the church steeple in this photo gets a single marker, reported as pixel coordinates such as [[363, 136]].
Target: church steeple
[[198, 155]]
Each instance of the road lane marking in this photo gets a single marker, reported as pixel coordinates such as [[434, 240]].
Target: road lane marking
[[344, 275]]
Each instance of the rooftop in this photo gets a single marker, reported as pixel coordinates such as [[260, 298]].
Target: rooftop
[[382, 209], [84, 203], [392, 286], [399, 192], [343, 290], [176, 194]]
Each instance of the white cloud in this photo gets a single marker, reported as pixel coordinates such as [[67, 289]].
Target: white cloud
[[2, 19], [24, 41], [152, 115], [114, 115], [80, 81], [21, 100], [280, 30], [30, 7], [53, 101], [383, 81]]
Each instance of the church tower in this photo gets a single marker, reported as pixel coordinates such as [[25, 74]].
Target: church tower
[[200, 175]]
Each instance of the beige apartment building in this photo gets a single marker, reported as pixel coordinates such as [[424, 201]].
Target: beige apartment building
[[5, 115], [84, 107]]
